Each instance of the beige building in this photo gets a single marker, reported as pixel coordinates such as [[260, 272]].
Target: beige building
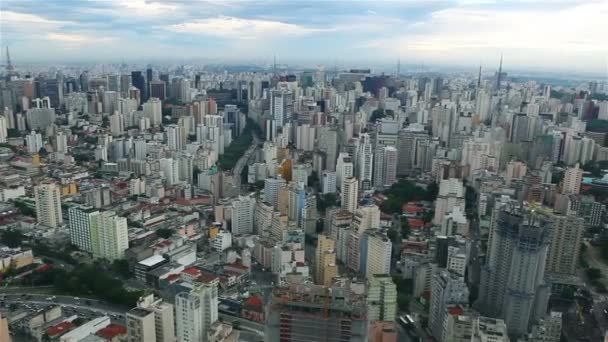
[[565, 248], [4, 332], [572, 181], [325, 261], [162, 324], [48, 205]]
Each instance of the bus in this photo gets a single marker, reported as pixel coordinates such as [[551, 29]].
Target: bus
[[408, 323]]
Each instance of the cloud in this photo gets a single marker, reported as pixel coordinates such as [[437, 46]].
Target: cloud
[[78, 38], [557, 37], [146, 8], [233, 27]]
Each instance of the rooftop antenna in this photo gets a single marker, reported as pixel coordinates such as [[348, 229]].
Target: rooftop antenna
[[479, 77], [498, 79], [9, 65], [274, 65], [399, 66]]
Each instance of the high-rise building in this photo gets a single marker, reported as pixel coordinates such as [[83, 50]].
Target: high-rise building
[[243, 210], [48, 205], [306, 312], [3, 129], [4, 331], [109, 238], [328, 182], [139, 82], [512, 280], [158, 89], [196, 311], [566, 238], [375, 255], [161, 328], [117, 123], [365, 161], [389, 167], [572, 180], [61, 143], [34, 142], [344, 168], [350, 194], [271, 190], [176, 137], [153, 111], [325, 261], [446, 289], [381, 298], [80, 218]]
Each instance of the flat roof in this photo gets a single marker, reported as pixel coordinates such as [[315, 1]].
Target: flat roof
[[153, 260]]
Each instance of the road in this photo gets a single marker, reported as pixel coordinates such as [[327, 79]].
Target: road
[[240, 164], [250, 331]]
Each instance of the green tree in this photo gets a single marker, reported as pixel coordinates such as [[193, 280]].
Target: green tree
[[377, 115], [164, 233], [121, 266], [393, 235], [593, 273], [405, 227], [13, 133], [326, 201], [11, 237]]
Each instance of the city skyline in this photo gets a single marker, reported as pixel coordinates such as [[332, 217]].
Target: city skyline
[[443, 33]]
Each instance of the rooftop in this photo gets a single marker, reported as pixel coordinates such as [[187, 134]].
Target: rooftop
[[139, 312], [112, 331]]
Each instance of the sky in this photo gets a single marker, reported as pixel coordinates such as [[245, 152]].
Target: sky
[[531, 34]]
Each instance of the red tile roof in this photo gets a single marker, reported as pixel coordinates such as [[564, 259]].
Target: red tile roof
[[237, 265], [415, 223], [455, 310], [254, 302], [60, 329], [193, 271], [206, 278], [112, 331]]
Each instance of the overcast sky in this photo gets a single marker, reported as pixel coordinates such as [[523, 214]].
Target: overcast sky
[[543, 34]]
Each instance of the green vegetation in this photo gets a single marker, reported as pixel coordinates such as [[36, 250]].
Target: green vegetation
[[596, 125], [326, 201], [25, 207], [313, 180], [13, 133], [12, 238], [595, 168], [405, 227], [593, 273], [89, 280], [599, 97], [380, 114], [121, 267], [405, 191], [164, 233], [393, 235], [404, 291], [238, 147]]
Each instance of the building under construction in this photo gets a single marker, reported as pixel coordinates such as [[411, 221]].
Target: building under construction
[[308, 312]]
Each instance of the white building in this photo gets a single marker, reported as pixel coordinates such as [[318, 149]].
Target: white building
[[446, 289], [243, 210], [222, 241], [80, 226], [109, 237], [328, 182], [196, 311], [451, 194], [271, 190], [48, 205], [350, 194], [153, 111], [33, 142]]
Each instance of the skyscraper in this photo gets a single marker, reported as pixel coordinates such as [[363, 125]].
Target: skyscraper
[[271, 190], [138, 81], [48, 205], [375, 255], [176, 137], [389, 167], [512, 280], [365, 160]]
